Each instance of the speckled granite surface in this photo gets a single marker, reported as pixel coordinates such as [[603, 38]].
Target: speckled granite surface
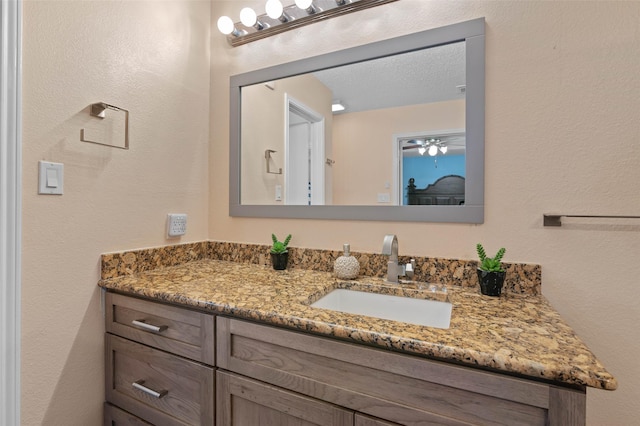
[[522, 278], [515, 334]]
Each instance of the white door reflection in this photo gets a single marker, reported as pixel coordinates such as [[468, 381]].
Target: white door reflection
[[304, 158]]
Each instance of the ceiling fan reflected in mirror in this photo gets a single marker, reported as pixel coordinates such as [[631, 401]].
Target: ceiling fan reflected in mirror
[[431, 146]]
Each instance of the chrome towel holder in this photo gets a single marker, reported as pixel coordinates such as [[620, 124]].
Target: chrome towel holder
[[267, 156], [556, 219], [99, 110]]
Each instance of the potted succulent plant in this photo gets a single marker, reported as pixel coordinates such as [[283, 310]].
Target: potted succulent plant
[[490, 272], [279, 252]]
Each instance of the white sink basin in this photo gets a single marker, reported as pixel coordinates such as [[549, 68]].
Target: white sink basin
[[431, 313]]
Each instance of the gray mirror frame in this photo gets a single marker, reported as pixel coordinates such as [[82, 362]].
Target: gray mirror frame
[[473, 33]]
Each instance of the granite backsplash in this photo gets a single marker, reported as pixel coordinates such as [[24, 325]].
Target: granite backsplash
[[522, 278]]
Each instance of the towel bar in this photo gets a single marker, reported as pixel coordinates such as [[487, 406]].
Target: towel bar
[[267, 156], [99, 110], [555, 219]]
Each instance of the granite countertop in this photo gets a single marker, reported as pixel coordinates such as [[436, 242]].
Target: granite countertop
[[517, 334]]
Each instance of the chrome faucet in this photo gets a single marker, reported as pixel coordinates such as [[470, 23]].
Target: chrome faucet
[[394, 269]]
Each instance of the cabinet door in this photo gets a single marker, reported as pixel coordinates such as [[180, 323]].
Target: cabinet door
[[113, 416], [390, 386], [246, 402]]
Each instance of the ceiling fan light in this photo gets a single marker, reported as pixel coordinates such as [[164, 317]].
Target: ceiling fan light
[[433, 150], [443, 149], [422, 150]]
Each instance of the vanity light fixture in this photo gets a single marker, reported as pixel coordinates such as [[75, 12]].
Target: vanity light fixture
[[279, 18], [249, 18], [275, 10], [227, 27], [308, 6]]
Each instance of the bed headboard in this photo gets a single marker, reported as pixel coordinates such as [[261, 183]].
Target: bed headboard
[[447, 191]]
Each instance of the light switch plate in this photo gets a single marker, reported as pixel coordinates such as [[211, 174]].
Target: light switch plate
[[50, 178]]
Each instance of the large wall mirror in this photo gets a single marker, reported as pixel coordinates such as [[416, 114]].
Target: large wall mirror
[[392, 130]]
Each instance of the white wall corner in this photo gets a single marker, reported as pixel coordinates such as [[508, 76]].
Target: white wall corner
[[10, 211]]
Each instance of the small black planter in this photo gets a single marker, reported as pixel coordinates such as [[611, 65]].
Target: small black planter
[[491, 282], [280, 260]]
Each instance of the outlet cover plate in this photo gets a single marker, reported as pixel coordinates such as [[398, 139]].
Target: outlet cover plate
[[176, 224]]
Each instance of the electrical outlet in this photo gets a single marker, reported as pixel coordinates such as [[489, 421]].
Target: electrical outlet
[[383, 197], [176, 225]]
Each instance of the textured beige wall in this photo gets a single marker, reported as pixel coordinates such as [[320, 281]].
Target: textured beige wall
[[563, 79], [264, 129], [364, 141], [151, 58]]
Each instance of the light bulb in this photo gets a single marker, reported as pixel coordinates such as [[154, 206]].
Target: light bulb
[[248, 17], [304, 4], [433, 150], [274, 9], [225, 25], [422, 150], [443, 149], [308, 6]]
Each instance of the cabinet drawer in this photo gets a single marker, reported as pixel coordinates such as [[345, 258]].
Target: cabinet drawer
[[370, 421], [158, 387], [246, 402], [177, 330], [113, 416], [390, 386]]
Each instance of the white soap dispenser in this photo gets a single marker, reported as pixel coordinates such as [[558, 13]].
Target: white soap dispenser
[[346, 267]]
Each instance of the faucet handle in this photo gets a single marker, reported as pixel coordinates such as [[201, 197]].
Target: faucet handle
[[410, 268]]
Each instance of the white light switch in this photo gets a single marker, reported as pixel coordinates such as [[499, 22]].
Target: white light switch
[[50, 178]]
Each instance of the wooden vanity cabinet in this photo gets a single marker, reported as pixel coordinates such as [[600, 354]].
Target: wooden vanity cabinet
[[114, 416], [173, 329], [245, 402], [383, 387], [362, 420], [160, 370], [159, 364]]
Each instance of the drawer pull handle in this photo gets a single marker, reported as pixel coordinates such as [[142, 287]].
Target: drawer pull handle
[[139, 384], [150, 327]]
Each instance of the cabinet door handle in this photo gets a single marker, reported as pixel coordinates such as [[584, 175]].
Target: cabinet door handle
[[150, 327], [139, 384]]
